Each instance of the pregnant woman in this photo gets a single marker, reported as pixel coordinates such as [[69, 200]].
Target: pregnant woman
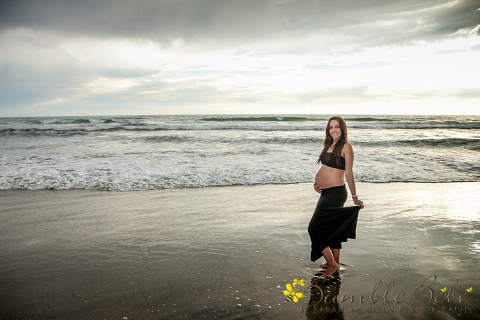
[[332, 223]]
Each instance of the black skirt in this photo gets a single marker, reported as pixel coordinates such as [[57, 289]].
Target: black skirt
[[332, 223]]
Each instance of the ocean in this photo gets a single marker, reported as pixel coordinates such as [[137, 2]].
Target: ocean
[[129, 153]]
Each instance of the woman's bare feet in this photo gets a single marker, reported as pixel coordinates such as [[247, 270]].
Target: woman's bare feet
[[331, 269], [324, 265]]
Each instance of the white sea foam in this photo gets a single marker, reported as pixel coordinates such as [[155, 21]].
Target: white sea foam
[[143, 153]]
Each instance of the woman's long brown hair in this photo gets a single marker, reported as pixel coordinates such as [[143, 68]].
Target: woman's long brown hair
[[327, 143]]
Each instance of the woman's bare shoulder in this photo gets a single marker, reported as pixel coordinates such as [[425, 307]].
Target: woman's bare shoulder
[[347, 149]]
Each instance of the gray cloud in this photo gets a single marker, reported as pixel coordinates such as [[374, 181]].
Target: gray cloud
[[35, 69], [473, 93], [463, 15], [235, 20]]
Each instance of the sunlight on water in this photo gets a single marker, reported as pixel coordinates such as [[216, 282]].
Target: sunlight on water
[[465, 211]]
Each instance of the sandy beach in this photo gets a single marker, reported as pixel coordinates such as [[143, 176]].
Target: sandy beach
[[229, 253]]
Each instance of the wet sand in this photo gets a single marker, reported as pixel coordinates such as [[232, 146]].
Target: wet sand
[[229, 252]]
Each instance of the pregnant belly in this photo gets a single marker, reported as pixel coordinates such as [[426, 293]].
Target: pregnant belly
[[329, 177]]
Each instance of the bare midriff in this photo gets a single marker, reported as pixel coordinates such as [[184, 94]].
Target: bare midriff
[[328, 177]]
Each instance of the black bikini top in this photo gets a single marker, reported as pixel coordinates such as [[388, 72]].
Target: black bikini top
[[330, 161]]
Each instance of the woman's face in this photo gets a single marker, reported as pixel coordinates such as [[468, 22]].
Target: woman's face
[[334, 130]]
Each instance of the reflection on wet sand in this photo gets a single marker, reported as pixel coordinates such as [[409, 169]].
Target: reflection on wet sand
[[323, 303], [229, 252]]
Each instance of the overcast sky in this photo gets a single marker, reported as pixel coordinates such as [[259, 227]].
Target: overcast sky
[[118, 57]]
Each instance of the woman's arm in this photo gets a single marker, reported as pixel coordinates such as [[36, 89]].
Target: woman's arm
[[348, 155]]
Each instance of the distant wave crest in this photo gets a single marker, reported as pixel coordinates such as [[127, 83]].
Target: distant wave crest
[[269, 118]]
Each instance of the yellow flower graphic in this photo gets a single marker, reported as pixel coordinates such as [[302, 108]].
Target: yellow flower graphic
[[470, 290], [299, 281], [292, 294], [444, 289]]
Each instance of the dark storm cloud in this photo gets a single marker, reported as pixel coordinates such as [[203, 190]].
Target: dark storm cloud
[[161, 20], [463, 15], [230, 20], [164, 53]]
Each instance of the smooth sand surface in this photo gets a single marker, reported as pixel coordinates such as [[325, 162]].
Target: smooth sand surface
[[229, 252]]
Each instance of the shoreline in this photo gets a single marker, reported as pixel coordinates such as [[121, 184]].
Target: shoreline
[[240, 185], [219, 252]]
